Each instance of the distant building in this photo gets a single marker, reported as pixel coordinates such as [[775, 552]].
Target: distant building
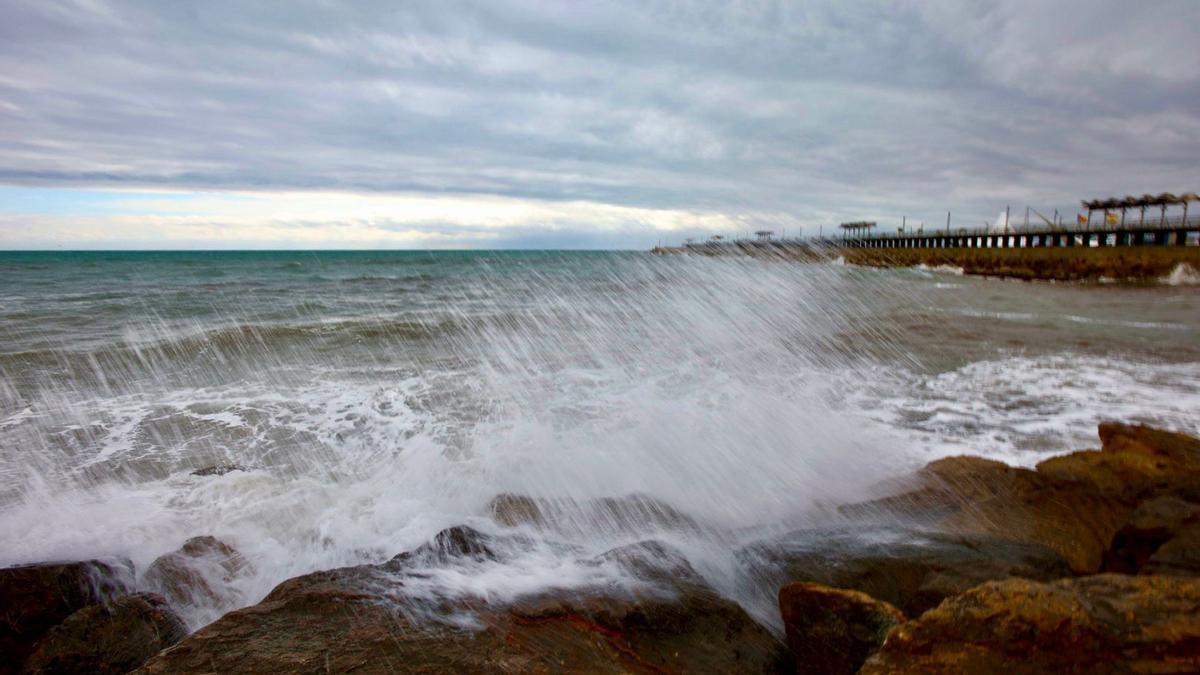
[[857, 228], [764, 235]]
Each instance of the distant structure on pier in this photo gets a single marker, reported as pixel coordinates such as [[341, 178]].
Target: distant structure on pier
[[858, 228], [1123, 204], [764, 235]]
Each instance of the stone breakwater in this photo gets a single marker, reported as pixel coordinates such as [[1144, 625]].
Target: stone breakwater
[[1148, 264], [1089, 562]]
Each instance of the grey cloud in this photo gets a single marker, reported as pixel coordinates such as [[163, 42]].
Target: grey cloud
[[824, 110]]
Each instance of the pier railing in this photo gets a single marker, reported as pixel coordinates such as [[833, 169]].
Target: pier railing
[[1164, 231], [1172, 231]]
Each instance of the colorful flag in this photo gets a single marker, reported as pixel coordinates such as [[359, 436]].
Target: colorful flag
[[1111, 218], [1081, 219]]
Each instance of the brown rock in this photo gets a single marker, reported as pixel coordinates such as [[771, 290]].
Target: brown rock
[[981, 497], [35, 598], [653, 560], [114, 637], [635, 513], [911, 570], [1106, 623], [453, 542], [832, 631], [1135, 463], [1179, 556], [995, 499], [349, 620], [1150, 525], [199, 574]]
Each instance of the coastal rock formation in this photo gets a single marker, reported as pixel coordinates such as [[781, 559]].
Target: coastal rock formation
[[653, 561], [1151, 525], [1105, 623], [454, 542], [1135, 463], [110, 638], [1074, 504], [985, 497], [198, 574], [36, 598], [911, 570], [832, 631], [1179, 556], [635, 513], [346, 620]]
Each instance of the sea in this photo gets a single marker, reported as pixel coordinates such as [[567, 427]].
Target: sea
[[324, 409]]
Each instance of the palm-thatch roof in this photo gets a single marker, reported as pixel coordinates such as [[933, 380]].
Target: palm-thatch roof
[[1131, 201]]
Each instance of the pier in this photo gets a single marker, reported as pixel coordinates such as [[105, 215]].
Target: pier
[[1131, 239], [1114, 228]]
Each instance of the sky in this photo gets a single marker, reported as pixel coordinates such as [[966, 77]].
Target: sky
[[513, 124]]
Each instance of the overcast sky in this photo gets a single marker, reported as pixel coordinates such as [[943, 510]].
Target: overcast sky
[[576, 124]]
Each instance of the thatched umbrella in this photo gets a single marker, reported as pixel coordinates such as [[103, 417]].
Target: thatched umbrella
[[1185, 198], [1090, 205], [1146, 200], [1128, 202], [1164, 199]]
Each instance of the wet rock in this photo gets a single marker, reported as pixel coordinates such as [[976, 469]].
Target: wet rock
[[35, 598], [199, 574], [832, 631], [632, 514], [912, 570], [1151, 525], [513, 510], [344, 620], [1107, 623], [218, 470], [114, 637], [1179, 556], [1135, 463], [653, 561], [981, 497], [453, 542]]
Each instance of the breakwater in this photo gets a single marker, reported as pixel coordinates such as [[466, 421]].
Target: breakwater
[[1142, 263]]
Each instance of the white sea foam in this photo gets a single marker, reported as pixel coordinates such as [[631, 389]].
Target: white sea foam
[[1183, 275], [941, 269], [1021, 410]]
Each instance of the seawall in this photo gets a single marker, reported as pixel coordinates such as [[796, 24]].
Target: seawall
[[1125, 263]]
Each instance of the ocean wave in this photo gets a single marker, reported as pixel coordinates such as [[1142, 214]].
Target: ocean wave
[[1183, 275]]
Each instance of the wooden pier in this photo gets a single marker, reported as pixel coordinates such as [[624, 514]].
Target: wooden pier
[[1115, 228]]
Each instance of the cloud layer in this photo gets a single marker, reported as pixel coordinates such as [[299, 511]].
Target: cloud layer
[[652, 113]]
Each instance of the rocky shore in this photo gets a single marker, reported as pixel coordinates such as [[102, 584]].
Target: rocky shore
[[1087, 563]]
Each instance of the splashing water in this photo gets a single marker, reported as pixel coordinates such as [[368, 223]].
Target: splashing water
[[370, 400]]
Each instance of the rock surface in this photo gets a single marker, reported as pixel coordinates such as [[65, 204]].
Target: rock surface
[[1151, 525], [1135, 463], [110, 638], [35, 598], [1105, 623], [911, 570], [199, 577], [832, 631], [635, 513], [1179, 556], [984, 497], [342, 621], [359, 619]]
